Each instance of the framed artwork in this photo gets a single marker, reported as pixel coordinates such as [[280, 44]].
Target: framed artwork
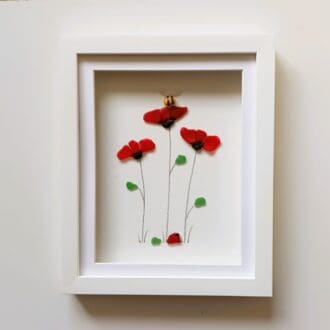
[[167, 165]]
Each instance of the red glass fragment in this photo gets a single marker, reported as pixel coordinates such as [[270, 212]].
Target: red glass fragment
[[199, 139], [174, 238], [135, 149], [165, 116]]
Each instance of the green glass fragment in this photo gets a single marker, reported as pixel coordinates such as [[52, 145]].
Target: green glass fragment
[[200, 201], [180, 160], [131, 186], [156, 241]]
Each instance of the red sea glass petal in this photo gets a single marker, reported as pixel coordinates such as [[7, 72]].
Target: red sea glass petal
[[134, 146], [153, 117], [124, 152], [178, 112], [165, 114], [211, 143], [174, 238], [147, 145], [200, 135], [188, 135]]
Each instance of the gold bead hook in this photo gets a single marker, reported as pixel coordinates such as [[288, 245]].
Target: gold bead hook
[[169, 101]]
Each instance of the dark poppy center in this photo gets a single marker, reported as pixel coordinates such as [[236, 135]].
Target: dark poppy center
[[137, 155], [168, 123], [197, 145]]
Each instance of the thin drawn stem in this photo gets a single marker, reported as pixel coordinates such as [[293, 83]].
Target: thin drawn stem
[[188, 197], [145, 235], [188, 240], [186, 222], [172, 168], [190, 211], [143, 195], [169, 182]]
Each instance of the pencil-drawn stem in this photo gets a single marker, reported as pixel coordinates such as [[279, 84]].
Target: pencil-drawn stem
[[143, 195], [172, 168], [190, 211], [145, 236], [186, 222], [169, 181], [191, 228], [188, 197]]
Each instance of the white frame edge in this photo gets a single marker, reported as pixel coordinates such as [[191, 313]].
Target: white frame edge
[[262, 46]]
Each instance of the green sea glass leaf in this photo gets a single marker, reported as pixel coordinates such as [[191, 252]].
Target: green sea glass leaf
[[200, 202], [180, 160], [156, 241], [131, 186]]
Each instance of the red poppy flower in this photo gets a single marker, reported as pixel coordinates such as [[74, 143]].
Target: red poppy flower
[[135, 149], [198, 139], [165, 116], [174, 238]]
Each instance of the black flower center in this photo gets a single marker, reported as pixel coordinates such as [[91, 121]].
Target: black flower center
[[168, 123], [197, 145], [137, 155]]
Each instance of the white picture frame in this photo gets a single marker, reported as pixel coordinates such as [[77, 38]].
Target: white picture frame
[[80, 58]]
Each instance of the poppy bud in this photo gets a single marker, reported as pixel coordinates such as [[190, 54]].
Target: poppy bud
[[174, 238]]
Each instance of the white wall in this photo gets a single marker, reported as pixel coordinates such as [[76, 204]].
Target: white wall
[[29, 190]]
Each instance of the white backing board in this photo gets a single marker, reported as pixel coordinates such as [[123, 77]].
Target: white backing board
[[214, 102]]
